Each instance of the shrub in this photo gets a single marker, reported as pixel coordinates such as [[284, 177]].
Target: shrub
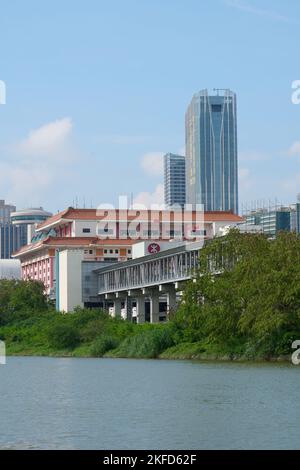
[[102, 345], [148, 344], [63, 336]]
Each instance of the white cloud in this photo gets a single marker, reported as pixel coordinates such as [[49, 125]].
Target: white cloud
[[147, 200], [269, 14], [295, 149], [153, 163], [48, 140], [43, 159]]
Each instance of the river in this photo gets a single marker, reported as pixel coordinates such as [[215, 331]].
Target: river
[[52, 403]]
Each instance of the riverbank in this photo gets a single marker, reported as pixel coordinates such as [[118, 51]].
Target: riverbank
[[181, 351], [31, 327]]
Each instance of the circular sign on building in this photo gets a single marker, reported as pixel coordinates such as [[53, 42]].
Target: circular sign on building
[[153, 248]]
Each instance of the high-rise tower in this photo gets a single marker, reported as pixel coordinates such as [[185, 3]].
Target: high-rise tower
[[174, 179], [211, 151]]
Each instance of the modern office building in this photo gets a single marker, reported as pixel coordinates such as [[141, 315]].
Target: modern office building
[[12, 238], [5, 211], [174, 180], [273, 220], [211, 151]]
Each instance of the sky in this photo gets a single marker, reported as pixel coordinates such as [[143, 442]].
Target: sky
[[96, 93]]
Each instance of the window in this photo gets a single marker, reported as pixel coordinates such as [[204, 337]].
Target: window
[[86, 230], [91, 252], [116, 251], [129, 252], [216, 108], [111, 251]]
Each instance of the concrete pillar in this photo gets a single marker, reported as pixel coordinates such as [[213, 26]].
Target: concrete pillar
[[117, 307], [171, 301], [154, 308], [140, 309], [128, 308]]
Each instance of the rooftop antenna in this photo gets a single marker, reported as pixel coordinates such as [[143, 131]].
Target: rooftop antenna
[[219, 89]]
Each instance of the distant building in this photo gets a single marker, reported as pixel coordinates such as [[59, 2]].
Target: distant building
[[12, 238], [211, 151], [271, 221], [10, 269], [174, 180], [17, 227], [29, 219], [5, 211]]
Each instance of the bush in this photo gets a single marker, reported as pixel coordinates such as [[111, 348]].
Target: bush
[[102, 345], [63, 336], [147, 344]]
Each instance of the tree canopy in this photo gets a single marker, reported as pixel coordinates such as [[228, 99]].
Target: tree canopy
[[247, 290]]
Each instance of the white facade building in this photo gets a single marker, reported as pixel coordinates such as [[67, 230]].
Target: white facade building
[[10, 269]]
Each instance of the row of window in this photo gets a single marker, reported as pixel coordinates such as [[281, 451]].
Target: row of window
[[106, 251]]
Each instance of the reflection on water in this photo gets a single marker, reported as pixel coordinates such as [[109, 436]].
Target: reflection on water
[[131, 404]]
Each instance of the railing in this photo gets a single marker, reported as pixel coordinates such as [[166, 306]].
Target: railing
[[159, 269]]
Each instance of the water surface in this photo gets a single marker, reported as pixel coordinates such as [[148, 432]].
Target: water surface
[[51, 403]]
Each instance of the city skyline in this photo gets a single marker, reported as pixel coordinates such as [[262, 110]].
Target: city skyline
[[61, 141]]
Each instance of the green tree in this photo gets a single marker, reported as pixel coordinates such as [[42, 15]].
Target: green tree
[[247, 289]]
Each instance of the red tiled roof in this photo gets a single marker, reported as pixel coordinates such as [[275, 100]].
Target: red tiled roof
[[98, 214], [222, 216]]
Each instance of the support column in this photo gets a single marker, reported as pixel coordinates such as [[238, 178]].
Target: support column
[[170, 291], [171, 299], [140, 309], [154, 308], [128, 308], [117, 307], [127, 312]]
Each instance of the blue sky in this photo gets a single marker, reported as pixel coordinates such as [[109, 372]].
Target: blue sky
[[97, 92]]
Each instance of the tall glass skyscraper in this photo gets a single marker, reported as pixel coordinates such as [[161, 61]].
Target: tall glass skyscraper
[[211, 151], [174, 179]]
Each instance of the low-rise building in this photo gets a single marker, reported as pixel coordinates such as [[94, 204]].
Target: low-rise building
[[10, 269], [70, 245], [271, 221]]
